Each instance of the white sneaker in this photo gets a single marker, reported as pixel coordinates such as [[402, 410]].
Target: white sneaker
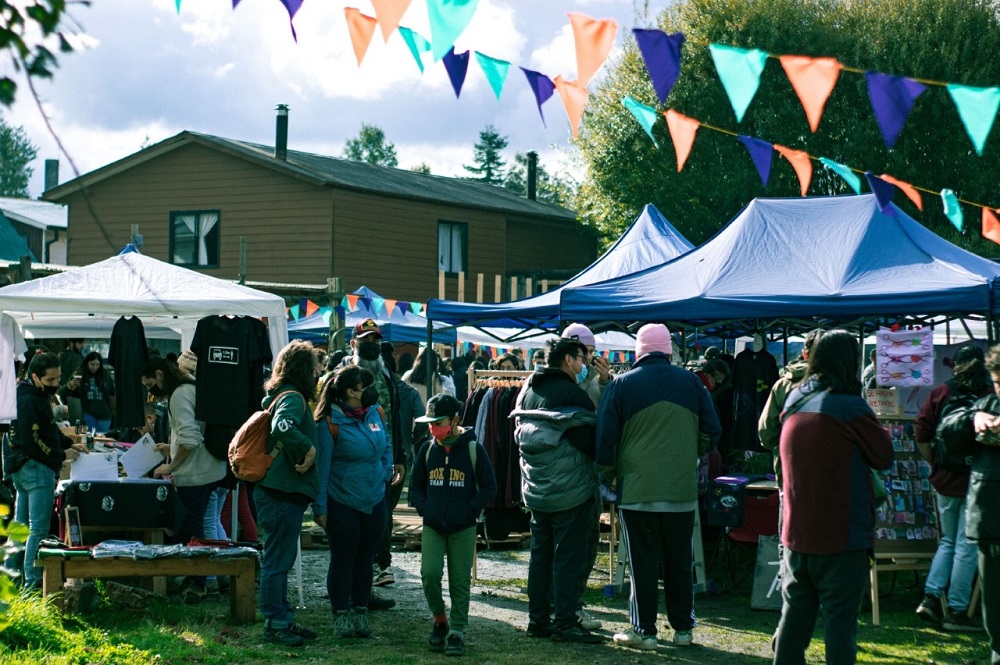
[[683, 638], [630, 639], [587, 620]]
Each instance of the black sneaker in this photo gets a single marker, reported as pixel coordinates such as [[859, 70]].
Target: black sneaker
[[377, 602], [930, 610], [575, 633], [304, 633], [455, 645], [437, 637], [282, 636], [539, 629], [961, 622]]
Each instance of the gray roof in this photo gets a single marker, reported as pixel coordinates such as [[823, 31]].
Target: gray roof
[[338, 172]]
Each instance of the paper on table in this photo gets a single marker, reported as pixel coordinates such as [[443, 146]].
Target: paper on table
[[141, 457], [94, 466]]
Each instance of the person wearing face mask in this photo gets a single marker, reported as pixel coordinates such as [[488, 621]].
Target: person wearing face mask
[[32, 457], [596, 372], [354, 460], [555, 427], [452, 482], [538, 360]]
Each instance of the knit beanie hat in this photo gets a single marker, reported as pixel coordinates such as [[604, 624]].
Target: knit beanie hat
[[187, 363], [653, 337], [581, 332]]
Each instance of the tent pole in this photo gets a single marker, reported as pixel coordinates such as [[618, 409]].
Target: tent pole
[[861, 347], [989, 328], [430, 365]]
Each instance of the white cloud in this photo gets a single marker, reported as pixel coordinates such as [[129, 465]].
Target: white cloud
[[558, 57]]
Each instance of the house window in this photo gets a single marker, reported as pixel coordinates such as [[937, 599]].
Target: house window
[[194, 238], [452, 247]]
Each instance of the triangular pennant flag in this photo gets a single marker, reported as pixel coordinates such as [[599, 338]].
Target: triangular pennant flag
[[495, 71], [882, 190], [908, 189], [801, 163], [327, 314], [977, 107], [682, 132], [366, 303], [178, 3], [813, 80], [594, 39], [416, 43], [991, 225], [403, 307], [761, 152], [740, 70], [542, 86], [235, 2], [457, 65], [294, 311], [952, 210], [844, 172], [352, 301], [448, 18], [416, 308], [311, 307], [388, 14], [574, 99], [361, 28], [892, 98], [662, 54], [344, 303], [390, 304], [293, 7], [377, 305], [646, 115]]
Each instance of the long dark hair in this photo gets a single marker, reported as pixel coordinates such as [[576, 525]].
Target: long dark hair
[[969, 374], [100, 376], [296, 367], [336, 387], [833, 361], [172, 378], [419, 372]]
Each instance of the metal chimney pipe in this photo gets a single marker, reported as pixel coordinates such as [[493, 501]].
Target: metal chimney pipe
[[532, 174], [51, 174], [281, 133]]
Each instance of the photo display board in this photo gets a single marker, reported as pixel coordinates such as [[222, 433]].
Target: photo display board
[[906, 522]]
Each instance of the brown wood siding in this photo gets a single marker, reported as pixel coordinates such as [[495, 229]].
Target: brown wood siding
[[33, 236], [538, 245]]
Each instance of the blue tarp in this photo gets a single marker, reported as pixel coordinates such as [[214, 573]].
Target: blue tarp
[[649, 241], [833, 257], [396, 328], [12, 245]]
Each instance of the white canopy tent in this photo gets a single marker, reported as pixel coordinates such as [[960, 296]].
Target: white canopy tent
[[87, 301]]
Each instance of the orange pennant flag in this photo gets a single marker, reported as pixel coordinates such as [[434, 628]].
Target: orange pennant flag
[[388, 13], [362, 28], [813, 80], [908, 189], [594, 39], [991, 225], [574, 99], [311, 307], [682, 131], [352, 301], [389, 306], [801, 163]]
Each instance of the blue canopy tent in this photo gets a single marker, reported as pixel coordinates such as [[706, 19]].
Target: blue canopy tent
[[650, 241], [836, 257], [397, 327]]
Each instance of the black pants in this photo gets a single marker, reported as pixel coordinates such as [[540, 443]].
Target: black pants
[[659, 541], [558, 561], [383, 556]]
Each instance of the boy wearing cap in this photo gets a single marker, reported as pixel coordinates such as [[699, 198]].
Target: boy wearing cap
[[452, 482]]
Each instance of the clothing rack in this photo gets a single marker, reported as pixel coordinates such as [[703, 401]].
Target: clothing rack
[[496, 377]]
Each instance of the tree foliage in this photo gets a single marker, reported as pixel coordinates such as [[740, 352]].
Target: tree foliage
[[371, 146], [422, 167], [558, 190], [16, 153], [487, 155], [25, 29], [943, 40]]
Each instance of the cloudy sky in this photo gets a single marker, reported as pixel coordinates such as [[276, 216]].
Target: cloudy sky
[[150, 73]]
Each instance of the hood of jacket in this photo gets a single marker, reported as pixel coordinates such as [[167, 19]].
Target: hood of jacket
[[795, 370]]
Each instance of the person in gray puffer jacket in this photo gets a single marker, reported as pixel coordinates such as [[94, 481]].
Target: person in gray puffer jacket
[[556, 430]]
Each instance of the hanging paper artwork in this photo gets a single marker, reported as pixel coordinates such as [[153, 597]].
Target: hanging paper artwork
[[682, 133], [594, 39], [904, 358], [977, 108], [574, 99], [991, 225], [952, 210], [495, 71], [646, 115], [762, 154], [845, 172], [416, 43], [662, 54], [362, 28], [448, 19], [739, 70]]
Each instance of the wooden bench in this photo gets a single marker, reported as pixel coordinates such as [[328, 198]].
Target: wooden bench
[[241, 570]]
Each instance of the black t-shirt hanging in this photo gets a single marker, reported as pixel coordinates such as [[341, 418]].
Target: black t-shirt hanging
[[257, 368], [127, 355], [227, 349]]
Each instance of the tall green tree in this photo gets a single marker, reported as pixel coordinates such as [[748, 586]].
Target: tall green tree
[[489, 162], [371, 146], [944, 40], [16, 153], [555, 189]]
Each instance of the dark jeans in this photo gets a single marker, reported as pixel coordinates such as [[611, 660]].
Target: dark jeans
[[559, 560], [655, 542], [383, 556], [195, 502], [593, 541], [989, 573], [833, 582], [281, 522], [353, 537]]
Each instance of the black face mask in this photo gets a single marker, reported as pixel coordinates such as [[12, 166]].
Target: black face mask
[[50, 390], [370, 396], [155, 391], [369, 350]]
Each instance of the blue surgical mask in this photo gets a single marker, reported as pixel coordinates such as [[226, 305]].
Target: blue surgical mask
[[581, 376]]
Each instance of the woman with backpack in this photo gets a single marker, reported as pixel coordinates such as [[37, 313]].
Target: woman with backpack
[[354, 459], [95, 390]]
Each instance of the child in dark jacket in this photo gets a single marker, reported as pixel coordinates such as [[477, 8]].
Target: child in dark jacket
[[452, 482]]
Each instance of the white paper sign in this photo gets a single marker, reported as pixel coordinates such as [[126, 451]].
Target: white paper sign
[[141, 457], [94, 466]]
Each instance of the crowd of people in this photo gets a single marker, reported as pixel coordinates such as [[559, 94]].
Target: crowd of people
[[347, 428]]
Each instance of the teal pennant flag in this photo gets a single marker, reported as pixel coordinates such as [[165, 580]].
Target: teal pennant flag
[[416, 43], [294, 310], [740, 70], [646, 115], [977, 107], [378, 304], [448, 18], [326, 313], [495, 71], [952, 210], [845, 172]]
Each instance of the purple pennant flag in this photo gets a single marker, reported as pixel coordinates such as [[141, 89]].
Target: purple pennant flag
[[761, 152], [662, 54], [341, 312], [883, 192], [892, 98], [235, 2], [367, 302], [542, 86], [293, 7], [457, 65], [403, 307]]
